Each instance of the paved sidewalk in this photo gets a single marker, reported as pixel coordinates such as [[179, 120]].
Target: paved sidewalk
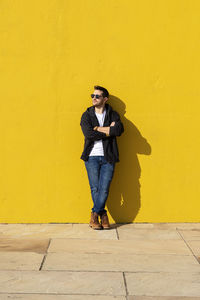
[[73, 262]]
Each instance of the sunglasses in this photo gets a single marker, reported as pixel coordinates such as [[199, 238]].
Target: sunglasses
[[97, 96]]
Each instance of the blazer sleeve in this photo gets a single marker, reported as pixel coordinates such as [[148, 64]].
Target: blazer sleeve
[[88, 130], [118, 128]]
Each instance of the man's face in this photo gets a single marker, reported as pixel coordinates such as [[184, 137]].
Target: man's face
[[99, 102]]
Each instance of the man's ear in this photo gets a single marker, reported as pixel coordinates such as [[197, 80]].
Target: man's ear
[[105, 99]]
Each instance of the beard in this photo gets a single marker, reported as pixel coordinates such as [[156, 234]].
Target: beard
[[99, 104]]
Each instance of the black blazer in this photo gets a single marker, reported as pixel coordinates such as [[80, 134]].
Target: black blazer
[[89, 121]]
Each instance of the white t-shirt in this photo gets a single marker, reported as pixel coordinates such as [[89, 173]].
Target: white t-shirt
[[98, 145]]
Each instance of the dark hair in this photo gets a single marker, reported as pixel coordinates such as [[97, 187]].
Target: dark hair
[[105, 91]]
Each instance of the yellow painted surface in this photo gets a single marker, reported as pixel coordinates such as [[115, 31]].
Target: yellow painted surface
[[146, 53]]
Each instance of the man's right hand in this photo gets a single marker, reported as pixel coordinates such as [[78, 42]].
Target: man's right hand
[[112, 124]]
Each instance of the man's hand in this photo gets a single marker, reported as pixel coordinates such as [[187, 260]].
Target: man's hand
[[104, 129]]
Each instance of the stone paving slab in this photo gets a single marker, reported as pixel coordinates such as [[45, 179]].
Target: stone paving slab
[[120, 262], [174, 226], [134, 226], [190, 235], [96, 283], [158, 247], [158, 265], [162, 298], [163, 284], [58, 297], [55, 231], [65, 230], [183, 226], [20, 261], [28, 245], [80, 231], [149, 234], [34, 230]]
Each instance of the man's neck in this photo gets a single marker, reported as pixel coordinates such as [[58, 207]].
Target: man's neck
[[99, 110]]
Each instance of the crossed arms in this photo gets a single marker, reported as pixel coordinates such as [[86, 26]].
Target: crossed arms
[[97, 133], [105, 129]]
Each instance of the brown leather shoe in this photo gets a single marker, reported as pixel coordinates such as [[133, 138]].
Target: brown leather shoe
[[105, 221], [91, 219], [94, 221]]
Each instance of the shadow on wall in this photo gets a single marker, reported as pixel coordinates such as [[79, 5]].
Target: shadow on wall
[[124, 200]]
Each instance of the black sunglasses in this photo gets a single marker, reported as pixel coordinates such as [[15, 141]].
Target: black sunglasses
[[95, 95]]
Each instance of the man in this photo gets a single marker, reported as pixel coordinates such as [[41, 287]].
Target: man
[[100, 125]]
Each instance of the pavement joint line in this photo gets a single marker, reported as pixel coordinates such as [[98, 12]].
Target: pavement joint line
[[117, 233], [100, 253], [71, 271], [188, 247], [69, 294], [89, 271], [125, 285], [44, 258], [48, 245], [70, 238]]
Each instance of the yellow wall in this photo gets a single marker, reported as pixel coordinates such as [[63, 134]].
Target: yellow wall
[[146, 53]]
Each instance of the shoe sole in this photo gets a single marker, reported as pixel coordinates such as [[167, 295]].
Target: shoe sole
[[106, 227], [95, 228]]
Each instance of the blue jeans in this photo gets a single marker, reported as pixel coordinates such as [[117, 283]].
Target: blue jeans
[[100, 174]]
